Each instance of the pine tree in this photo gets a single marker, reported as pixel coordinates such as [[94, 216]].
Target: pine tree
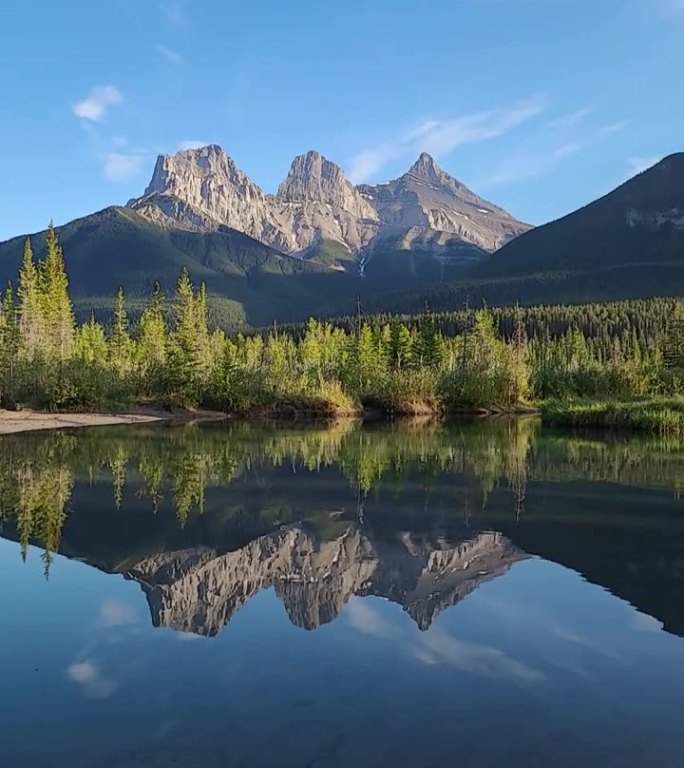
[[9, 345], [120, 341], [399, 345], [56, 308], [91, 343], [673, 345], [152, 346], [31, 327], [190, 339], [430, 351]]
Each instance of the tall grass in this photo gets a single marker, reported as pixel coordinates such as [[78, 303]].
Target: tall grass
[[664, 416]]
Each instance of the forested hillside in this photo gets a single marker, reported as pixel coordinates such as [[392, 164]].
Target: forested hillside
[[431, 363]]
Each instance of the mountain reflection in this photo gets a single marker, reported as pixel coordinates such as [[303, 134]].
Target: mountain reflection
[[203, 518]]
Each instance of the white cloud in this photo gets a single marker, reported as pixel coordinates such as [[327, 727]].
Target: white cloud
[[439, 137], [438, 647], [571, 148], [169, 54], [194, 144], [114, 613], [611, 128], [637, 165], [569, 120], [99, 100], [364, 619], [86, 675], [118, 166], [534, 164]]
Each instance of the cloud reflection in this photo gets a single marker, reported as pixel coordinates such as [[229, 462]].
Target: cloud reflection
[[438, 647], [93, 684]]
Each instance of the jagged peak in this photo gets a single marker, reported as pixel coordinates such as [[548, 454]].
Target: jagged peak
[[425, 166], [311, 177]]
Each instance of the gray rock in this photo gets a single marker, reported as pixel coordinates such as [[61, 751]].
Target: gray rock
[[202, 190]]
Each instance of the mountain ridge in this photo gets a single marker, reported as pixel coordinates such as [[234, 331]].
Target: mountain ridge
[[424, 208]]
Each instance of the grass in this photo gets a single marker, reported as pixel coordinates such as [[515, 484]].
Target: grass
[[664, 416]]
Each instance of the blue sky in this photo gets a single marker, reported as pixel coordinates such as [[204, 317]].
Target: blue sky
[[538, 105]]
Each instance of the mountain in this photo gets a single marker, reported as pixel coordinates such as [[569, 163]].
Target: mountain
[[642, 221], [426, 209], [248, 281], [627, 244], [318, 243]]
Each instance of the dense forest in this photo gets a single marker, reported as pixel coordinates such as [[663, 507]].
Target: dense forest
[[427, 363]]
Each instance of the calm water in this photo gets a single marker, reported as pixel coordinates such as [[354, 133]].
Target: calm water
[[483, 595]]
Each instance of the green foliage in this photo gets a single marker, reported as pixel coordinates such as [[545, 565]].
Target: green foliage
[[430, 363]]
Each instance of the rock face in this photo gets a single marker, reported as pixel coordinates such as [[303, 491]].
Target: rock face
[[200, 590], [203, 190], [428, 208]]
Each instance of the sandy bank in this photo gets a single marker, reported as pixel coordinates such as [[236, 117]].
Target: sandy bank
[[26, 421]]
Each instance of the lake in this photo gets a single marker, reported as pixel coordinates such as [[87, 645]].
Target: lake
[[482, 594]]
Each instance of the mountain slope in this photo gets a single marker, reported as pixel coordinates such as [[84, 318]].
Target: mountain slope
[[628, 244], [118, 247], [428, 208], [640, 221], [425, 209]]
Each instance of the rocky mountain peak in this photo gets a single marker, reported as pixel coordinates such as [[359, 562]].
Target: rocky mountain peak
[[183, 173], [313, 177], [202, 189], [425, 167]]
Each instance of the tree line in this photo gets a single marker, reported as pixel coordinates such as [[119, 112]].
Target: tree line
[[425, 363]]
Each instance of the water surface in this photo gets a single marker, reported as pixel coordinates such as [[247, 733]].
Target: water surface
[[478, 595]]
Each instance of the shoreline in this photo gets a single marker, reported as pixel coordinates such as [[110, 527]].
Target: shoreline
[[16, 422]]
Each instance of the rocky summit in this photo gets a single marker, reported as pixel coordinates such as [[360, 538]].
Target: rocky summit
[[202, 190]]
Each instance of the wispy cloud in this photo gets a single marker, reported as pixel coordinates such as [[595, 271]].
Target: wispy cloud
[[439, 647], [535, 163], [173, 13], [638, 165], [169, 54], [439, 137], [611, 128], [118, 166], [569, 120], [94, 107]]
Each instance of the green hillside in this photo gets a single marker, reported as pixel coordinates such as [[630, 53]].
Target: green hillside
[[247, 281]]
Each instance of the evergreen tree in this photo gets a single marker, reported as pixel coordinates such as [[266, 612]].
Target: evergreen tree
[[190, 339], [673, 345], [31, 328], [91, 343], [152, 346], [56, 308], [120, 341], [9, 346], [399, 345]]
